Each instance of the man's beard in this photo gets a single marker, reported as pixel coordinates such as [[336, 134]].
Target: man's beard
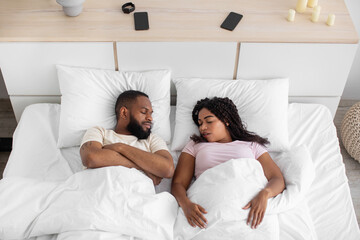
[[137, 130]]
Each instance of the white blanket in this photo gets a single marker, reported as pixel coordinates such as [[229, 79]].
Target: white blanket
[[116, 200], [225, 189], [121, 203]]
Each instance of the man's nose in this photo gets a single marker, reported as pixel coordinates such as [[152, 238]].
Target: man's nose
[[149, 117]]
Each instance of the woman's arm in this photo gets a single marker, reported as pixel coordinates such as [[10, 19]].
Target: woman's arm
[[184, 172], [275, 186]]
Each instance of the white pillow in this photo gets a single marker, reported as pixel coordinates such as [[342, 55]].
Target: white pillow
[[262, 106], [298, 170], [89, 96]]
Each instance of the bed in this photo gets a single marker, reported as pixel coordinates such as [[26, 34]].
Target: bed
[[329, 199], [48, 194]]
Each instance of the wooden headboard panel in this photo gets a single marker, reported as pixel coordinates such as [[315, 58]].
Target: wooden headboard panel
[[29, 68]]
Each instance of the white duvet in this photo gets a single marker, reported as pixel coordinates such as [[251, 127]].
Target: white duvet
[[225, 189], [121, 203], [113, 200]]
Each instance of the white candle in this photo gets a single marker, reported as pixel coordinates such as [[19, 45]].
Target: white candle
[[291, 15], [316, 14], [301, 6], [312, 3], [331, 20]]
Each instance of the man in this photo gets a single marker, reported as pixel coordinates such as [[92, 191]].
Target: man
[[132, 144]]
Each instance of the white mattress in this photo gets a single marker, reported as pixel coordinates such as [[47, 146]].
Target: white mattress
[[329, 198]]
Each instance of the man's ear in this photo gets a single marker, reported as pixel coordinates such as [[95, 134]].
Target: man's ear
[[124, 113]]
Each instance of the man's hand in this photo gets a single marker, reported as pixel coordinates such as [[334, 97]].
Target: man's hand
[[93, 155], [156, 180], [159, 163], [115, 147]]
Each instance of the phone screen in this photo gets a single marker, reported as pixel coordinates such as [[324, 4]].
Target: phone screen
[[231, 21], [141, 21]]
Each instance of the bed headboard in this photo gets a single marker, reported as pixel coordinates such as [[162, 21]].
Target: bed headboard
[[29, 71]]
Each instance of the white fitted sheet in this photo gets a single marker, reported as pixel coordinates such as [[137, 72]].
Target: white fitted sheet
[[35, 155]]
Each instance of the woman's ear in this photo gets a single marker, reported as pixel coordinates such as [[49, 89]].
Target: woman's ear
[[124, 112], [227, 124]]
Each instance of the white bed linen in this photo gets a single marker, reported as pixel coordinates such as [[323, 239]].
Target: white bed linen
[[329, 200], [113, 199]]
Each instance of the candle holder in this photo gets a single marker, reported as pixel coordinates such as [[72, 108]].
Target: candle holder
[[71, 8]]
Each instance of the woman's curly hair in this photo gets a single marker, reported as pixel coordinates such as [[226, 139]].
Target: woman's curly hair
[[226, 111]]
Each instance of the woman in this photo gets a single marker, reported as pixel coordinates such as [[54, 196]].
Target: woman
[[222, 137]]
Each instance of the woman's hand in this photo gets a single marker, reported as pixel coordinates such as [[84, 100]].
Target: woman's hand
[[258, 206], [194, 214]]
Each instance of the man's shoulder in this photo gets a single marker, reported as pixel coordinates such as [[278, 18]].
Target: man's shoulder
[[156, 143], [154, 136], [97, 129]]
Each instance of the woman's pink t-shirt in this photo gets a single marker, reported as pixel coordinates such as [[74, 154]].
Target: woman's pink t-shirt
[[211, 154]]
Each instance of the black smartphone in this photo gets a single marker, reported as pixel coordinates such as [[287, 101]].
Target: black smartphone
[[141, 21], [231, 21]]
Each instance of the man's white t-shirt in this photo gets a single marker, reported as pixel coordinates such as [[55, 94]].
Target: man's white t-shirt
[[98, 134]]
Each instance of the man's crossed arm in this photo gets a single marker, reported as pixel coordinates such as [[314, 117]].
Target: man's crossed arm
[[159, 164]]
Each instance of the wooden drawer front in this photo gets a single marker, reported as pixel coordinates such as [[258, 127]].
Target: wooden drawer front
[[29, 67], [313, 69], [200, 59]]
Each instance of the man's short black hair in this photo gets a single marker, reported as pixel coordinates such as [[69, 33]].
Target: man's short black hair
[[126, 99]]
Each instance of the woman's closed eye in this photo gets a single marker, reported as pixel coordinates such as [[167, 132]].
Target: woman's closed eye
[[200, 124]]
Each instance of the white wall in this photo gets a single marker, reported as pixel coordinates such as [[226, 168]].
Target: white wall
[[352, 87]]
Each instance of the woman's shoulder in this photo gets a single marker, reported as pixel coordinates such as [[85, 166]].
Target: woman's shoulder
[[243, 142], [248, 143], [190, 143], [195, 145]]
